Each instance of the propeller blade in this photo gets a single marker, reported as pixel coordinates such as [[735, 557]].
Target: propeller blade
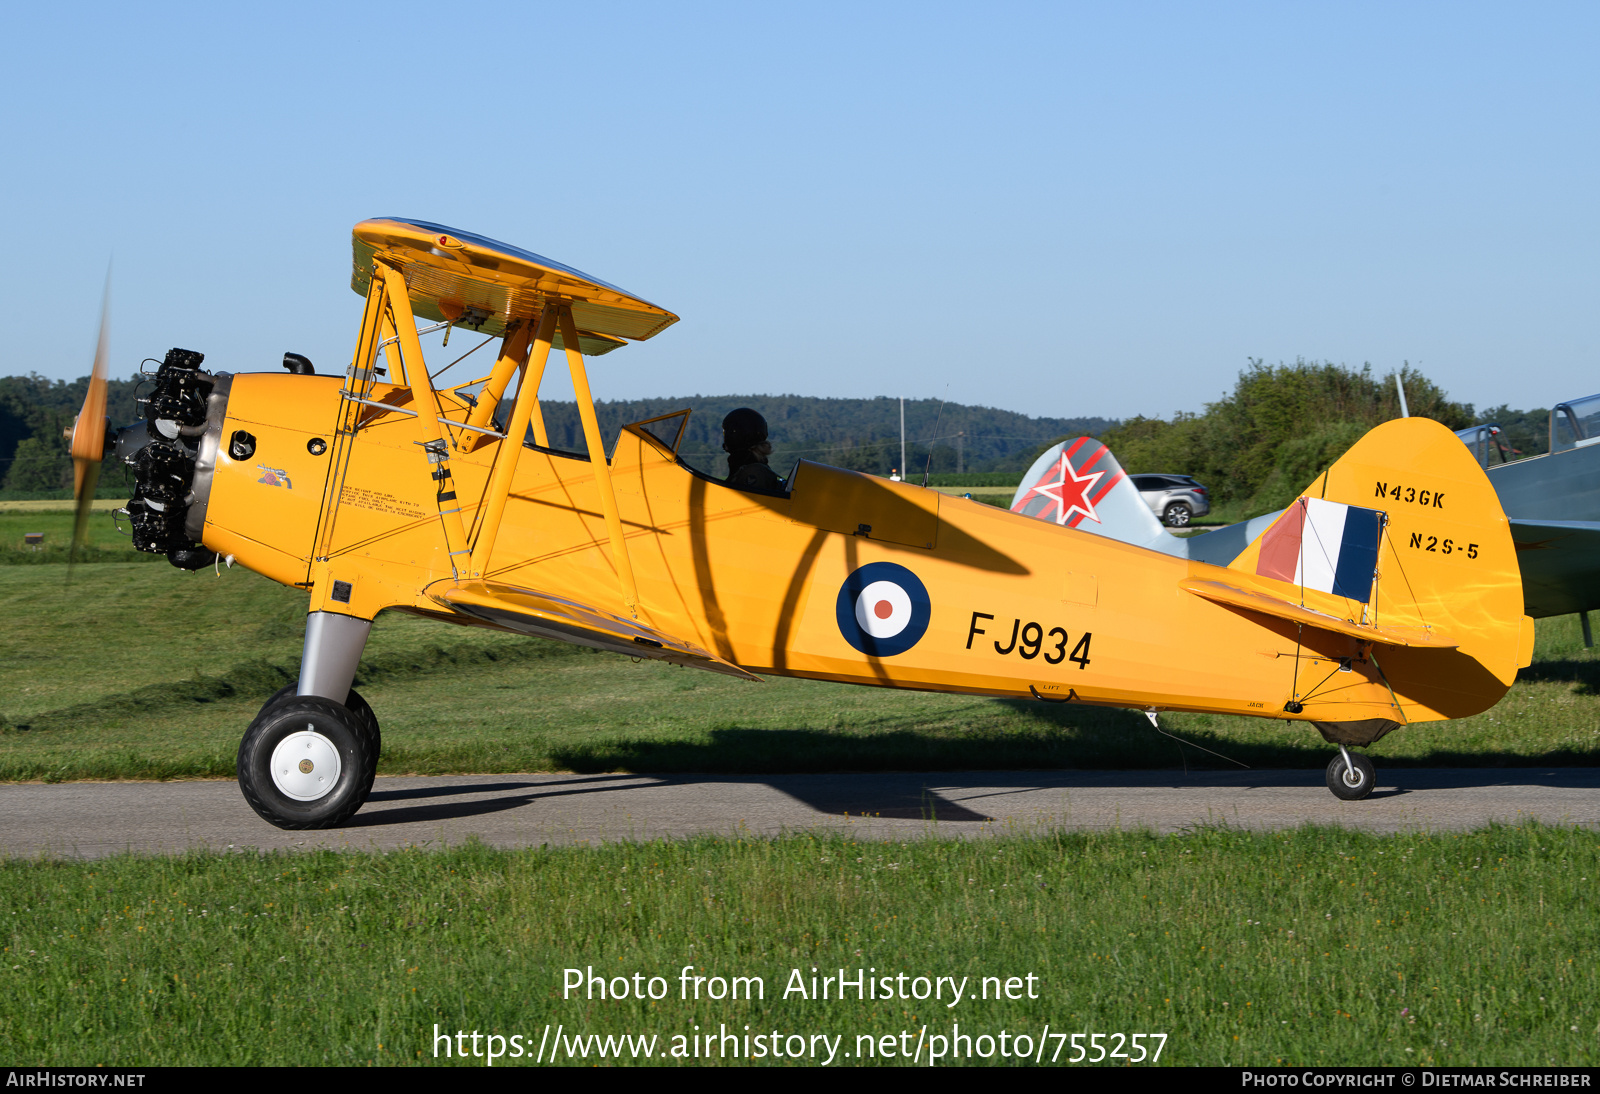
[[89, 433]]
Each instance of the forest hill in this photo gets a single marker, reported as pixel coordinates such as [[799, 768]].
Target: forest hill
[[861, 434], [1254, 448]]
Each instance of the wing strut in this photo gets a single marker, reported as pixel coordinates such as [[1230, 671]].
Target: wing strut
[[389, 309], [513, 356], [505, 461], [390, 345], [597, 459], [358, 381], [427, 405]]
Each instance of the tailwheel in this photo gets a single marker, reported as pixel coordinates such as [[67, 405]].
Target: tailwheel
[[308, 762], [1351, 775]]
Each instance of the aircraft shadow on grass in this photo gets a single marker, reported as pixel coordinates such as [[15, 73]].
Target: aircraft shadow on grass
[[1585, 674]]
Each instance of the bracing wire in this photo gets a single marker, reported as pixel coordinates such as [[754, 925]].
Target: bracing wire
[[1154, 724], [463, 357], [928, 467]]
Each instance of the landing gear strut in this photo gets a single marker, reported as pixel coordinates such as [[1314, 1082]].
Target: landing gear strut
[[308, 759], [1351, 775]]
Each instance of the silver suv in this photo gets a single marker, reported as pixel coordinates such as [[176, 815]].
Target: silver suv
[[1176, 499]]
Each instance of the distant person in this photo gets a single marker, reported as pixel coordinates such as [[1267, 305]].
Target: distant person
[[744, 439]]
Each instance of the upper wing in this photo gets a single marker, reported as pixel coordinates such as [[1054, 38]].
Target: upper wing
[[1560, 563], [544, 615], [489, 285]]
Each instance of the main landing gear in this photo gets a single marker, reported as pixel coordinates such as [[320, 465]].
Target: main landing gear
[[1351, 775], [308, 761]]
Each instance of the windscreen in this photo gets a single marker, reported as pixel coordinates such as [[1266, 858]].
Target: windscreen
[[1575, 424]]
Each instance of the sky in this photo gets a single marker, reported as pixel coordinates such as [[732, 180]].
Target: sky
[[1060, 209]]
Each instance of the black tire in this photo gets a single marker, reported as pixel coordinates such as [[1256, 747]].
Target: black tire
[[340, 744], [1351, 784], [356, 705], [353, 702], [1177, 515]]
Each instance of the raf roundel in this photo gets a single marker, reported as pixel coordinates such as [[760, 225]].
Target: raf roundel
[[883, 609]]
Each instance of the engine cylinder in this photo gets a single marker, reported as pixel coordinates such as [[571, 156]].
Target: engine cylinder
[[173, 453]]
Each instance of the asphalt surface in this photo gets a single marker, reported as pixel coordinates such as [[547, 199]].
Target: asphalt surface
[[89, 820]]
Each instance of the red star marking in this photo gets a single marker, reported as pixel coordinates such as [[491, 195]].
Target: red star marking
[[1069, 490]]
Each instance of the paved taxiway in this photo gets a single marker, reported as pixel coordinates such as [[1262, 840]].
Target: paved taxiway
[[93, 819]]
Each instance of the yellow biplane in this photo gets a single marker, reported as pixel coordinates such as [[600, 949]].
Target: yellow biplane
[[1387, 594]]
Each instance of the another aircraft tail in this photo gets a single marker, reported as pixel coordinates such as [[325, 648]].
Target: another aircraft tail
[[1396, 564], [1402, 546], [1084, 470], [1079, 484]]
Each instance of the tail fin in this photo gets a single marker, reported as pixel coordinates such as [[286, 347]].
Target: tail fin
[[1402, 545], [1113, 507], [1079, 484]]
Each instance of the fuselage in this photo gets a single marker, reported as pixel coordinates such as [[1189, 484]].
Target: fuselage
[[994, 604]]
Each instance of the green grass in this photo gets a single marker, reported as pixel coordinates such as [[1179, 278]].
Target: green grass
[[1228, 512], [104, 542], [136, 671], [993, 480], [1316, 946], [114, 483], [1305, 947]]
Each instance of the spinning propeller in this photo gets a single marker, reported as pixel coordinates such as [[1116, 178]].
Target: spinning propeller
[[89, 434]]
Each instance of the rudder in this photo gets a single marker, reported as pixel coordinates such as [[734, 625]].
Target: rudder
[[1405, 535]]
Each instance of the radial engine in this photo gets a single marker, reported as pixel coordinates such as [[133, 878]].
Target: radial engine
[[173, 454]]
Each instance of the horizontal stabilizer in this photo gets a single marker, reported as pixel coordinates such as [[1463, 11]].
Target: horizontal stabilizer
[[542, 615], [1255, 601]]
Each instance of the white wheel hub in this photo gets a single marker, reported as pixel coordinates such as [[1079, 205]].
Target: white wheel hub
[[305, 765]]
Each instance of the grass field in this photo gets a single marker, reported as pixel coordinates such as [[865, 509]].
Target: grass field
[[1309, 947], [1305, 947], [104, 542], [141, 671]]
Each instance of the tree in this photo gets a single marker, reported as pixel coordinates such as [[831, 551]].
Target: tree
[[39, 465], [1282, 424]]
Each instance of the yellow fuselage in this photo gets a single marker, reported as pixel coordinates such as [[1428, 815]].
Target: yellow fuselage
[[1016, 606]]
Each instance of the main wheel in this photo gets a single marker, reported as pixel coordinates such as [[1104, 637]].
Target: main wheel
[[308, 762], [1178, 514], [356, 705], [353, 702], [1354, 781]]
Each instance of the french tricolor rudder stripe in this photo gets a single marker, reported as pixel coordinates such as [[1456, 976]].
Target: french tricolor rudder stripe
[[1324, 545], [1280, 546]]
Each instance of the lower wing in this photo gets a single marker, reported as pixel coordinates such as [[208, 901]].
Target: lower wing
[[543, 615]]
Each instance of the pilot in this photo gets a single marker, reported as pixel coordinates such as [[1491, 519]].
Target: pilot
[[744, 439]]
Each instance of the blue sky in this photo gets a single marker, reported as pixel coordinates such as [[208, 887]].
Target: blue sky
[[1054, 208]]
